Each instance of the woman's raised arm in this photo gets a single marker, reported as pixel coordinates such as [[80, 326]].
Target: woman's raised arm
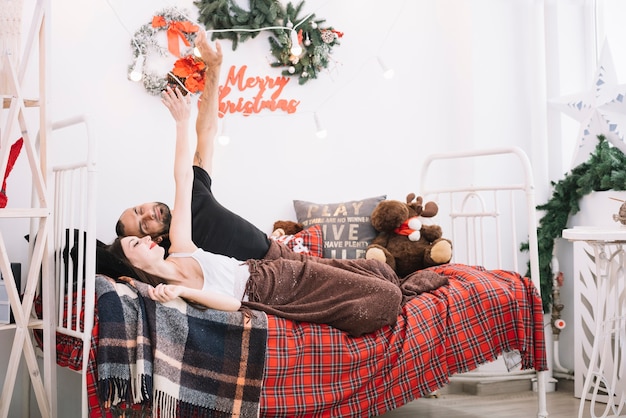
[[180, 226]]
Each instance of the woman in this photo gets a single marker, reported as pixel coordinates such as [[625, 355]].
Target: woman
[[357, 296]]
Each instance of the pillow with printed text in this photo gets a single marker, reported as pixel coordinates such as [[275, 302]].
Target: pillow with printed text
[[346, 226]]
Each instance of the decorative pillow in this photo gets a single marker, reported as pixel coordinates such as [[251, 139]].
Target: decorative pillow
[[346, 226], [72, 253], [106, 263], [308, 241]]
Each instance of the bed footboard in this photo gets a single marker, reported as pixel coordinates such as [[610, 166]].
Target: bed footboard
[[487, 207]]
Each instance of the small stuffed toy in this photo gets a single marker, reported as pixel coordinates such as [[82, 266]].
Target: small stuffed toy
[[293, 235], [403, 241], [286, 228]]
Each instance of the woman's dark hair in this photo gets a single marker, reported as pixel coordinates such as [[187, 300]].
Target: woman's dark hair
[[115, 248]]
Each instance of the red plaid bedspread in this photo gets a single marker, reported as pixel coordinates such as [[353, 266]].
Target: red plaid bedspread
[[315, 370], [70, 353]]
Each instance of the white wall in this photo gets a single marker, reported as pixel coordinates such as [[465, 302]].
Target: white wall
[[450, 85], [469, 74]]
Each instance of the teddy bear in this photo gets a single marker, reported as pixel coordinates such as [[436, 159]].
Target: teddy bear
[[281, 228], [403, 241]]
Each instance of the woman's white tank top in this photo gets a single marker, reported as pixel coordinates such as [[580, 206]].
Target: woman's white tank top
[[222, 274]]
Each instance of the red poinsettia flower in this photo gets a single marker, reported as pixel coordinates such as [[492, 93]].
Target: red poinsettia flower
[[195, 83], [190, 71], [186, 66]]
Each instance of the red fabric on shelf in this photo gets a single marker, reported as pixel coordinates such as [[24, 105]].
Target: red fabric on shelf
[[13, 154]]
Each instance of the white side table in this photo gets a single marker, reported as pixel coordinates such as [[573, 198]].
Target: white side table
[[606, 375]]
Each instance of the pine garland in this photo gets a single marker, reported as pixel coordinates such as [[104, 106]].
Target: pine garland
[[316, 41], [604, 170], [227, 15], [317, 45]]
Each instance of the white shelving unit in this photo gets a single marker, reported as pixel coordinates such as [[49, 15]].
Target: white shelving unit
[[600, 265], [14, 119]]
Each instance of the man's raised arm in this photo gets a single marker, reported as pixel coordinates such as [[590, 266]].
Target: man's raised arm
[[206, 123]]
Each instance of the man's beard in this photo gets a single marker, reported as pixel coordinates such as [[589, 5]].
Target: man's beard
[[166, 217]]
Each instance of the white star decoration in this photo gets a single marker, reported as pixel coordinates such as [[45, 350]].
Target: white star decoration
[[601, 110]]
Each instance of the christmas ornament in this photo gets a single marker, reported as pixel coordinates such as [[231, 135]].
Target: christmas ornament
[[601, 110], [316, 43], [187, 72]]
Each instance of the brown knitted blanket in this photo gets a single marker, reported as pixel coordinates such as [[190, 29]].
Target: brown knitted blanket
[[419, 282], [356, 296]]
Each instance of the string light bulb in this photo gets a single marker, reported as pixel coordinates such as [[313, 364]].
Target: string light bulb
[[223, 137], [136, 73], [296, 49], [388, 73], [320, 131]]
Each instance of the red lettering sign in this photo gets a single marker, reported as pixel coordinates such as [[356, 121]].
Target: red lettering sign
[[257, 93]]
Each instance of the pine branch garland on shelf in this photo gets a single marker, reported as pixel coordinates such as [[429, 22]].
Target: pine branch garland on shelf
[[604, 170]]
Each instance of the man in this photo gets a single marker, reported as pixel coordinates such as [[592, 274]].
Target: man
[[214, 227]]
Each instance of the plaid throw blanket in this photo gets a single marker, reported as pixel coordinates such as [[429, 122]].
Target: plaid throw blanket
[[186, 362]]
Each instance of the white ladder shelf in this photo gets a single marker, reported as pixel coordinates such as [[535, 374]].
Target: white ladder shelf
[[14, 106]]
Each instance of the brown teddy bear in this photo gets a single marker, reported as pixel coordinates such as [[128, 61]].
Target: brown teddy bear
[[403, 241], [281, 228]]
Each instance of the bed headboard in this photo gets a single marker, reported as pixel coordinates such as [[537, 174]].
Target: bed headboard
[[72, 183], [486, 206]]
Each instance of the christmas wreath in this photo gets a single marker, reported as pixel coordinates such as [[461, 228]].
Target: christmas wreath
[[187, 71], [604, 170], [301, 45]]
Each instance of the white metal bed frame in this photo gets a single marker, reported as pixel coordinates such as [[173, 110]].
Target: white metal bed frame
[[473, 218], [73, 187], [486, 215]]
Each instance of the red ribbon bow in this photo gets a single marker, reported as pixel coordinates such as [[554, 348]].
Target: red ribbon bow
[[175, 30]]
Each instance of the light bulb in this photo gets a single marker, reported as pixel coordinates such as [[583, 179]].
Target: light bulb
[[137, 72], [320, 132], [223, 137], [388, 73], [296, 49]]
